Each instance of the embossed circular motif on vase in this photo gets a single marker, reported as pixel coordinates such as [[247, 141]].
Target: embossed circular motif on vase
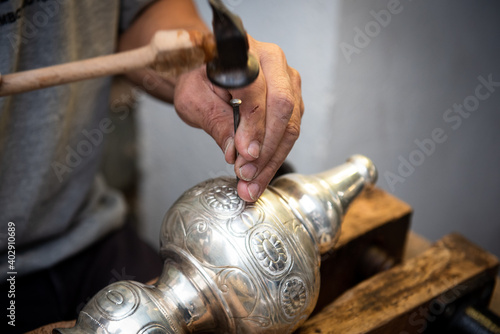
[[293, 296], [117, 301], [154, 329], [223, 199], [268, 248]]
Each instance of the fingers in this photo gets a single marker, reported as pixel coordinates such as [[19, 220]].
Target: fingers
[[251, 190], [249, 138], [282, 115], [270, 117], [201, 105]]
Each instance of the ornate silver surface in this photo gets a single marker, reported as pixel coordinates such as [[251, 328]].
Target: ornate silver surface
[[232, 266]]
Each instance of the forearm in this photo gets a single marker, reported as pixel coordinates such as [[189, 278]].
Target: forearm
[[160, 15]]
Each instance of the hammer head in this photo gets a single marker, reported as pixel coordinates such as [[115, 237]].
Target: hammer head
[[233, 67]]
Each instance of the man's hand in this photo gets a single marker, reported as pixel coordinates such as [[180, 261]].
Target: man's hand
[[270, 114]]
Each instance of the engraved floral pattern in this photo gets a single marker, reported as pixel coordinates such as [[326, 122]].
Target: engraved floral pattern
[[293, 296], [270, 251], [240, 224], [223, 199], [257, 254]]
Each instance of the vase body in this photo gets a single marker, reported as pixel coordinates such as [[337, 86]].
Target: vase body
[[232, 266]]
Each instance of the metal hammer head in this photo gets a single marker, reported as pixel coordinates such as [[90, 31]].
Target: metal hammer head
[[233, 67]]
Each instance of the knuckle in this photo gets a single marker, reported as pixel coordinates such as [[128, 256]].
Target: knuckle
[[270, 170], [273, 50], [285, 102], [293, 131], [296, 76], [274, 165], [180, 100]]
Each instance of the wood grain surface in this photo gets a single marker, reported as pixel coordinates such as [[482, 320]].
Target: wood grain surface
[[398, 300]]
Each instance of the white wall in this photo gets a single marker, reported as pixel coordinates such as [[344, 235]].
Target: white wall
[[398, 90], [393, 91]]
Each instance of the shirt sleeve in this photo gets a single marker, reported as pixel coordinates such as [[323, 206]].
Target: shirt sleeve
[[129, 10]]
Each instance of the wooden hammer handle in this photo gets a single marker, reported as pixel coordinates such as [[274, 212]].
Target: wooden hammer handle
[[75, 71], [167, 50]]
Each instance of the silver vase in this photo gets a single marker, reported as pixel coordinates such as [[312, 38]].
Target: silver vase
[[232, 266]]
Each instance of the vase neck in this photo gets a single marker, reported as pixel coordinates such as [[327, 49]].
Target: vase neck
[[348, 180], [321, 200]]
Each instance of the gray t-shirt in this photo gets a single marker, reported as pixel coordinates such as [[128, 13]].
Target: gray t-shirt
[[51, 139]]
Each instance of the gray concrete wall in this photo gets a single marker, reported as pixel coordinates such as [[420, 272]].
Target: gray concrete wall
[[381, 92]]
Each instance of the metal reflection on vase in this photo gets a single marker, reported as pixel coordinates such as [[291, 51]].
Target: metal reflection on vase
[[232, 266]]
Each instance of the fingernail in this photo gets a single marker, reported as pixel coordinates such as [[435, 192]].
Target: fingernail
[[229, 151], [229, 141], [247, 172], [254, 149], [254, 191]]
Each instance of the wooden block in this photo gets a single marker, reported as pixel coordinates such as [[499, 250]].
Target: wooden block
[[399, 300], [373, 208], [375, 219], [416, 245]]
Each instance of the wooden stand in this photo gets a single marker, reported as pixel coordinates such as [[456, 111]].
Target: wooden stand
[[372, 239], [424, 291]]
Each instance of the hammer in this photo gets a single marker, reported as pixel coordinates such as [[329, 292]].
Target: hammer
[[232, 67], [170, 52]]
